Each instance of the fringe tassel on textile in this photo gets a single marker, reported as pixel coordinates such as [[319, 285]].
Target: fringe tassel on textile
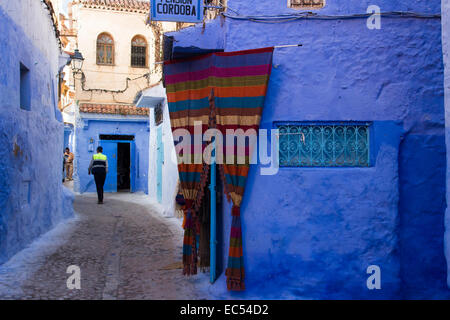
[[224, 185], [235, 272], [201, 192]]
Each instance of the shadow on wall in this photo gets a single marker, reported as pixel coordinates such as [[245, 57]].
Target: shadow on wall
[[422, 172]]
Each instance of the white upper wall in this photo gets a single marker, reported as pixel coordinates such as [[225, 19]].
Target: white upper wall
[[122, 26]]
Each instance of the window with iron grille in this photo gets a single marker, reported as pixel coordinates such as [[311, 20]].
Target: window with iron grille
[[158, 114], [138, 52], [324, 145], [105, 49], [306, 4]]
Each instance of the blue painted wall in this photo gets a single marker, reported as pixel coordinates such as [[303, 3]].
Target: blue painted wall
[[68, 136], [93, 129], [312, 232], [446, 54], [32, 198]]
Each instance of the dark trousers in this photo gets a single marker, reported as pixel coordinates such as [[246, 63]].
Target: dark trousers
[[99, 183]]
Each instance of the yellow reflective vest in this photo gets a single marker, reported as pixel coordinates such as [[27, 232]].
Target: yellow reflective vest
[[99, 164]]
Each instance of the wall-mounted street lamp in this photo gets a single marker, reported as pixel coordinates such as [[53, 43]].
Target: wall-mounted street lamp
[[77, 61]]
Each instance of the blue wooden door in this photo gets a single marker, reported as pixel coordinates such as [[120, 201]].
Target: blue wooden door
[[133, 166], [110, 151], [159, 163]]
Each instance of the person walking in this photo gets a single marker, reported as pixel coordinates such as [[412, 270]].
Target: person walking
[[99, 168], [68, 156]]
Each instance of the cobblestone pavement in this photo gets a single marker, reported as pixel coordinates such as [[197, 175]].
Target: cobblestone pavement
[[124, 251]]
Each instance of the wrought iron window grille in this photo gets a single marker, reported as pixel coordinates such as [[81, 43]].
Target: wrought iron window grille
[[138, 52], [324, 145]]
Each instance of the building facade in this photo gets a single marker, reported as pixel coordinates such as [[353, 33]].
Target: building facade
[[163, 170], [32, 198], [67, 104], [118, 48], [360, 109]]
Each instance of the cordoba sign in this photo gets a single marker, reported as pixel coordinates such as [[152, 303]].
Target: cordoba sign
[[177, 10]]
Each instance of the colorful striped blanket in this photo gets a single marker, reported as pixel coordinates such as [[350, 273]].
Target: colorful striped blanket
[[225, 91]]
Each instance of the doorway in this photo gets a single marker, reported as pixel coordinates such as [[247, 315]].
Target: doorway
[[121, 153], [204, 215], [123, 166]]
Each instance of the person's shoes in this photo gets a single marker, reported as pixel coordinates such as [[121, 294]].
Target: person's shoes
[[99, 202]]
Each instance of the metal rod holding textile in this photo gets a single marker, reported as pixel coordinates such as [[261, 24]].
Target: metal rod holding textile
[[280, 46]]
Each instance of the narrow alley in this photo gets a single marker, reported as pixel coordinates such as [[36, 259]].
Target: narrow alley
[[124, 251]]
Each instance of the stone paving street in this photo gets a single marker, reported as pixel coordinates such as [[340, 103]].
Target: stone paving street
[[124, 251]]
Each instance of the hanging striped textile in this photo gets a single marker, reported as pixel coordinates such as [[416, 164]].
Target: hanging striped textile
[[225, 90], [187, 105]]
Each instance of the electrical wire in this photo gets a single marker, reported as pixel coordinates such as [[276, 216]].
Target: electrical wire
[[83, 81], [310, 15]]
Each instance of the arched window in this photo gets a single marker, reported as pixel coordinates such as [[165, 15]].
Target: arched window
[[138, 52], [105, 49]]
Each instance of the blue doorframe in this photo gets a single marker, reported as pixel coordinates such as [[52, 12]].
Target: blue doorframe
[[159, 163], [133, 166], [110, 148]]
